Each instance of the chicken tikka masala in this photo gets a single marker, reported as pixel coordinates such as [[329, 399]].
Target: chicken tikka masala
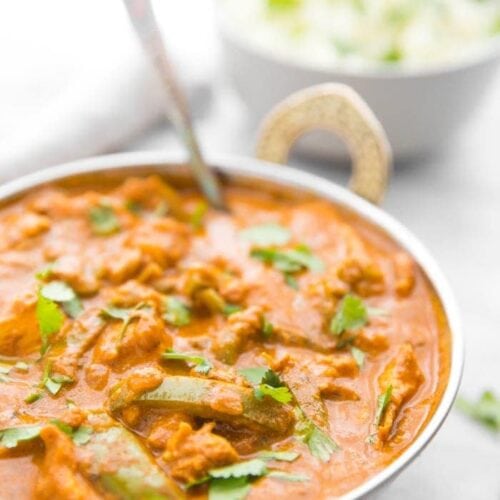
[[153, 348]]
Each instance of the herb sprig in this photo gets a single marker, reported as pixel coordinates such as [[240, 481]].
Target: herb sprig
[[266, 382], [202, 365]]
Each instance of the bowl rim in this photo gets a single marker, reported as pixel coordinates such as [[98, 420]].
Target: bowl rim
[[291, 177], [488, 52]]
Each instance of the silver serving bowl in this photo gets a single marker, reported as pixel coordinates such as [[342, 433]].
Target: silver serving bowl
[[258, 172]]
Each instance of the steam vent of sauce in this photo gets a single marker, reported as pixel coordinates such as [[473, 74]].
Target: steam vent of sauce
[[152, 348]]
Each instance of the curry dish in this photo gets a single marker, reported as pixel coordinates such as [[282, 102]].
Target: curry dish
[[152, 348]]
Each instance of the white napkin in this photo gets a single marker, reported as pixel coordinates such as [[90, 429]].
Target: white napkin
[[79, 84]]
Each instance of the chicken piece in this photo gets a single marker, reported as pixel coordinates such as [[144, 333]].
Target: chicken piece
[[18, 228], [151, 191], [143, 332], [121, 266], [30, 224], [192, 453], [76, 271], [19, 333], [163, 241], [404, 269], [331, 390], [301, 382], [59, 477], [371, 342], [132, 293], [364, 278], [336, 365], [164, 428], [404, 376], [204, 275], [135, 383], [80, 334], [241, 327]]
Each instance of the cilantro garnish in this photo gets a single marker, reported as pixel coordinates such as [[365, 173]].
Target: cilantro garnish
[[197, 215], [267, 383], [63, 294], [126, 315], [382, 402], [486, 410], [10, 438], [202, 365], [284, 456], [231, 309], [176, 312], [320, 444], [34, 396], [233, 482], [49, 318], [80, 435], [229, 489], [289, 261], [267, 328], [358, 355], [269, 234], [351, 315], [103, 220], [53, 383]]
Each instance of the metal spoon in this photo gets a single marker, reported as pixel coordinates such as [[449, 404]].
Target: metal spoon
[[176, 107]]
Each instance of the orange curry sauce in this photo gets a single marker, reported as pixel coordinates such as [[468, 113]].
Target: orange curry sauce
[[113, 279]]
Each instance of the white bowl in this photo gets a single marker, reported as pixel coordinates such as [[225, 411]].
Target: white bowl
[[419, 109], [250, 169]]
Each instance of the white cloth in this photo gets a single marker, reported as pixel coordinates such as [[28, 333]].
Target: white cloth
[[79, 85]]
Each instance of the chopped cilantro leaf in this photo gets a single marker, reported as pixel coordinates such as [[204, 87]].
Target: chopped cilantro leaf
[[197, 215], [320, 444], [49, 318], [280, 394], [231, 309], [103, 220], [267, 383], [267, 328], [254, 375], [133, 206], [80, 435], [22, 366], [286, 476], [44, 272], [352, 314], [34, 396], [116, 313], [202, 365], [10, 438], [358, 355], [253, 467], [268, 234], [229, 489], [126, 315], [176, 312], [283, 456], [382, 402], [289, 261], [60, 292], [486, 410]]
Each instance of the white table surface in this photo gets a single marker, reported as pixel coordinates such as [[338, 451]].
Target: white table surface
[[451, 201]]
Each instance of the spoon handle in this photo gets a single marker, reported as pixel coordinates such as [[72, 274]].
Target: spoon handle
[[176, 107]]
